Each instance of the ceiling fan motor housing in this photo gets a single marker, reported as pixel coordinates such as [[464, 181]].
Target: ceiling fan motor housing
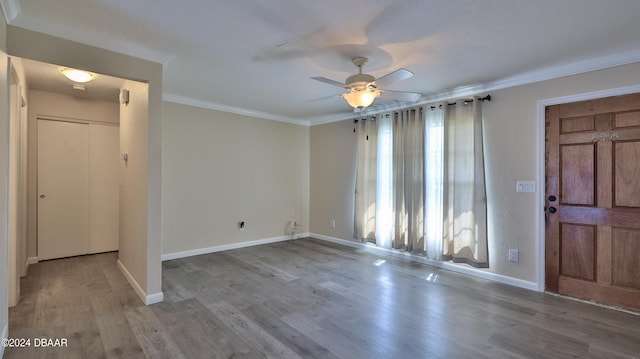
[[359, 81]]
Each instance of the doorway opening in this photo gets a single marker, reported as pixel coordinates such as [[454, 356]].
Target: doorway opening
[[52, 110]]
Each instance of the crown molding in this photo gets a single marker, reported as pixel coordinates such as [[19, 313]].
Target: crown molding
[[574, 68], [320, 120], [183, 100], [10, 9], [526, 78]]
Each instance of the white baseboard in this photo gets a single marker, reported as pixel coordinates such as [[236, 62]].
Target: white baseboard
[[226, 247], [154, 298], [146, 299], [444, 265], [344, 242], [5, 334], [28, 263]]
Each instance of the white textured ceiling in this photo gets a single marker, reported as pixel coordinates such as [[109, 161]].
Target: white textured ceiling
[[257, 56]]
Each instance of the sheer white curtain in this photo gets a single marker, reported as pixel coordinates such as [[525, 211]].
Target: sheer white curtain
[[465, 202], [366, 179], [384, 189], [389, 204], [434, 180], [408, 180], [420, 182]]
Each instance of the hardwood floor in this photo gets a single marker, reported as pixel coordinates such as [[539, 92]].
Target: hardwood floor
[[305, 298]]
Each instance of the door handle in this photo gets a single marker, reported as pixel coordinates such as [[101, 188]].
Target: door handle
[[548, 210], [42, 196]]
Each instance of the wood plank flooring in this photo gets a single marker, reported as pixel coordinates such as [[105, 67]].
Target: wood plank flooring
[[305, 299]]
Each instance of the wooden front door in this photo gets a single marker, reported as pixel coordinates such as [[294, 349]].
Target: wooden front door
[[593, 200]]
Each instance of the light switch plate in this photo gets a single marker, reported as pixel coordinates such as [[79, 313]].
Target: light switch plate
[[525, 186]]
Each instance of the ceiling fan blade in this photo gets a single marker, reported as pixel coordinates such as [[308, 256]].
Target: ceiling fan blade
[[329, 81], [400, 95], [322, 98], [397, 75]]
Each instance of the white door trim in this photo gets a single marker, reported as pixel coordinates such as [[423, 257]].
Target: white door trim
[[75, 120], [541, 105]]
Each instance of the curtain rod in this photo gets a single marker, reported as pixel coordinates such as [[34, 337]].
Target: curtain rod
[[433, 107], [465, 101]]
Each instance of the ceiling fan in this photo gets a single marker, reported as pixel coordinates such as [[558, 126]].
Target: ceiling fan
[[364, 88]]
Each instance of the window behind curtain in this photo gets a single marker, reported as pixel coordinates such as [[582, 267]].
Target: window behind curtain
[[452, 217]]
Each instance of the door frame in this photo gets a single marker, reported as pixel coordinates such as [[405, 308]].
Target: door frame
[[541, 114]]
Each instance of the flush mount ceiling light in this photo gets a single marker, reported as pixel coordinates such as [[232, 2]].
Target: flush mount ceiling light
[[77, 75]]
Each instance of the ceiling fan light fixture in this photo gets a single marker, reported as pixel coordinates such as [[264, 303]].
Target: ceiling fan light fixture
[[364, 88], [360, 98], [77, 75]]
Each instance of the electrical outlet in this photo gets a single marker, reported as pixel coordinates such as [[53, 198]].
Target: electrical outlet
[[513, 255], [333, 223]]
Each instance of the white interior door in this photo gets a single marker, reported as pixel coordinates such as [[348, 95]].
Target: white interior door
[[63, 194], [104, 188]]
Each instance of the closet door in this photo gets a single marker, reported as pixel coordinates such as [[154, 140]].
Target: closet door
[[63, 189], [104, 169]]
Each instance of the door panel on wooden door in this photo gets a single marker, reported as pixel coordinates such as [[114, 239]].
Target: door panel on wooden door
[[593, 167], [627, 177], [63, 164], [626, 246], [578, 175], [578, 246]]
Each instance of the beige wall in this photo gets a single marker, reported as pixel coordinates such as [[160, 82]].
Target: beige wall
[[73, 108], [18, 118], [511, 144], [52, 105], [4, 166], [333, 173], [220, 168], [17, 180], [133, 180]]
